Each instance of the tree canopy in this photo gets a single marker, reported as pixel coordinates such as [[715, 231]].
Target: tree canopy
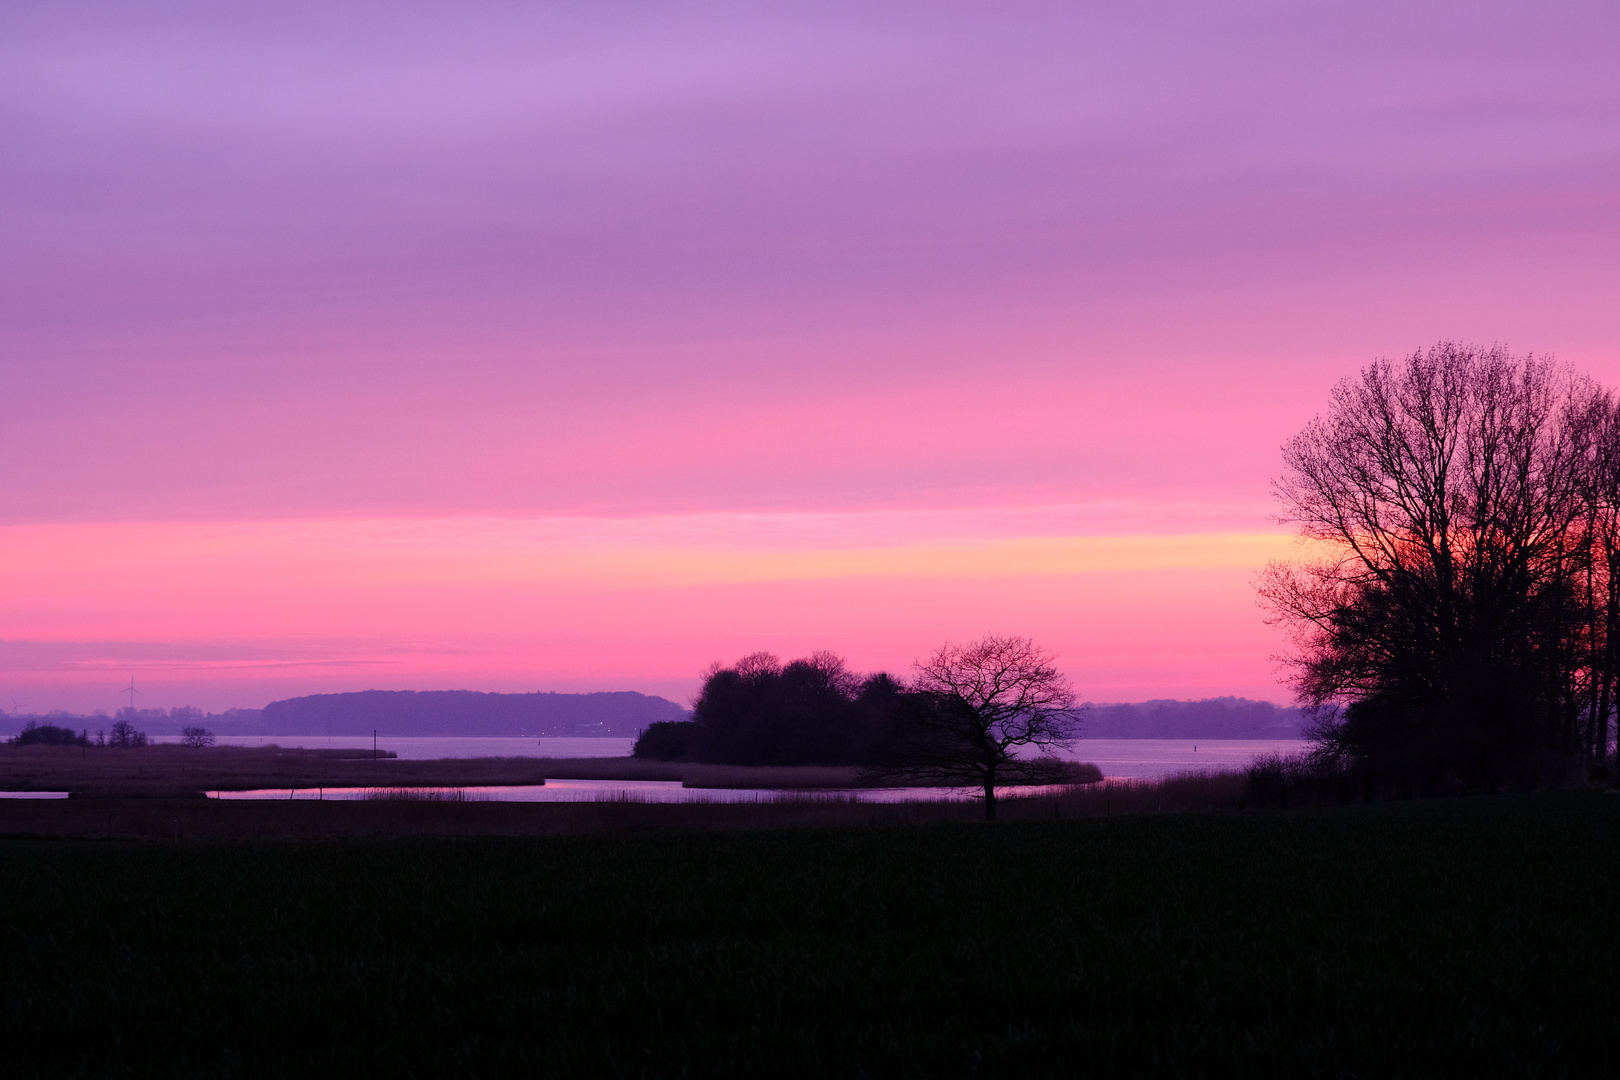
[[760, 711], [1459, 621]]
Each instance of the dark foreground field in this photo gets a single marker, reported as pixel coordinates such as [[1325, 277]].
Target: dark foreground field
[[1450, 938]]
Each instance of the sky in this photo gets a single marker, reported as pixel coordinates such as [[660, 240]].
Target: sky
[[558, 346]]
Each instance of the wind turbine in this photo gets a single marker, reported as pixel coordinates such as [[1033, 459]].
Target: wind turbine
[[130, 689]]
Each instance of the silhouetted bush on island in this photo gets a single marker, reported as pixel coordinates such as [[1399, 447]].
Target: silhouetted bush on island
[[811, 711]]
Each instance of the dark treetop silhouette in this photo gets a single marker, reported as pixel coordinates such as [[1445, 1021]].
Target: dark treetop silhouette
[[759, 711], [1464, 609]]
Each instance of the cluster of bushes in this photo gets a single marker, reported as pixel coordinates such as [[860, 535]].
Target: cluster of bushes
[[49, 735], [811, 711]]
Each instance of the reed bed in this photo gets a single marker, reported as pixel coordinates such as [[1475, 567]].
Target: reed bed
[[174, 770], [1185, 792], [407, 794], [610, 812]]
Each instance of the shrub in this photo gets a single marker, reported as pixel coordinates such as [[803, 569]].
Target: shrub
[[49, 735]]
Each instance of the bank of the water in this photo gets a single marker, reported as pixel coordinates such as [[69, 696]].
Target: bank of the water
[[642, 791]]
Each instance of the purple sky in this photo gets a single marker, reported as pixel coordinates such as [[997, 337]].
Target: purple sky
[[721, 277]]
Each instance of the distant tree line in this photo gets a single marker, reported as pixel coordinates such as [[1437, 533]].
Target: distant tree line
[[120, 733], [1458, 623]]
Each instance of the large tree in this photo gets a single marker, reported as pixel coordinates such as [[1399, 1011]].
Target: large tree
[[1450, 497], [976, 706]]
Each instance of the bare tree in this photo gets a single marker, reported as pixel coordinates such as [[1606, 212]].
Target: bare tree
[[1449, 494], [124, 735], [977, 705], [197, 736]]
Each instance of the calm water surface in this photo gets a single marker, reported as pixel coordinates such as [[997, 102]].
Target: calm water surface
[[1136, 759], [1125, 758]]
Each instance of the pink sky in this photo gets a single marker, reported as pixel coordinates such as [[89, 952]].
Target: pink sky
[[560, 346]]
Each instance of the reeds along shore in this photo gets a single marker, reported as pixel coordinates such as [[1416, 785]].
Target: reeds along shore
[[155, 771], [402, 815], [170, 770]]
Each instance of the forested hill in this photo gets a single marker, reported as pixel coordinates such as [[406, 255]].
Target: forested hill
[[1212, 718], [468, 712]]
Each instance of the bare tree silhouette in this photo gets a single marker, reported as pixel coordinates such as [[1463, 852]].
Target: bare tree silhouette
[[1463, 605], [976, 705]]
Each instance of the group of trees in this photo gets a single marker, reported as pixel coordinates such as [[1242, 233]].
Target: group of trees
[[123, 734], [960, 721], [1460, 619]]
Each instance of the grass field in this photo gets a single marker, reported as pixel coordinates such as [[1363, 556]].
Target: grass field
[[1451, 938]]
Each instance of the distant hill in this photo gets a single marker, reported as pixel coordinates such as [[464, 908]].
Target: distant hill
[[1211, 718], [467, 712]]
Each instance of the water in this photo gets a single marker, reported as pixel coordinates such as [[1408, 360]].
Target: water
[[1151, 759], [1135, 759], [1119, 759]]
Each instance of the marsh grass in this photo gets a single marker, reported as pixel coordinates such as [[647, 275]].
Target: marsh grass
[[607, 812], [406, 794], [1315, 779], [171, 770], [1460, 937]]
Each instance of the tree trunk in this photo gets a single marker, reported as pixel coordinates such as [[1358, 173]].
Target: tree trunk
[[990, 798]]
